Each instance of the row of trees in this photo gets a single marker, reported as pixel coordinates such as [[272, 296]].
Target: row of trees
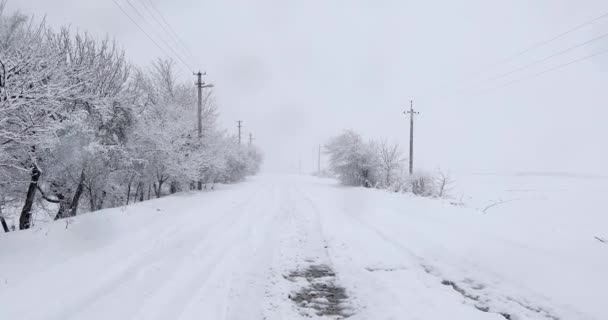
[[372, 164], [83, 129]]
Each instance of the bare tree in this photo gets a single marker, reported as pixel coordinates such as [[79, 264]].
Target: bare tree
[[391, 160], [443, 183]]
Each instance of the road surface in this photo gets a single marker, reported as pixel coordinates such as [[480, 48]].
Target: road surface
[[261, 250]]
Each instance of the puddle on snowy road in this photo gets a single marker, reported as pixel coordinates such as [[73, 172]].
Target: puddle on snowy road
[[320, 293]]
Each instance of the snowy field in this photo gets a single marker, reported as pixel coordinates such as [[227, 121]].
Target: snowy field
[[294, 247]]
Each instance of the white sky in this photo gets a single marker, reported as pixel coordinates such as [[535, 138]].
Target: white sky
[[298, 72]]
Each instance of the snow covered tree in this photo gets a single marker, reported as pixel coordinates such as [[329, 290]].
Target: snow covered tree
[[354, 161], [91, 135], [37, 86], [165, 139], [78, 123]]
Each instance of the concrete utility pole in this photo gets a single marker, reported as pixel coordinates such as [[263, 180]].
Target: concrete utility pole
[[411, 113], [239, 125], [200, 85]]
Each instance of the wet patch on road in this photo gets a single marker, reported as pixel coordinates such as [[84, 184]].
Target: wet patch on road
[[319, 294]]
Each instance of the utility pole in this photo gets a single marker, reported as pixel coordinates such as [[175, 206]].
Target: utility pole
[[239, 125], [200, 85], [250, 139], [411, 113]]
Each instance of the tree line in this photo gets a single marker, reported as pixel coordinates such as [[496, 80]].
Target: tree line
[[374, 164], [82, 129]]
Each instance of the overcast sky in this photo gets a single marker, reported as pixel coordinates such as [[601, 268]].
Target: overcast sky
[[298, 72]]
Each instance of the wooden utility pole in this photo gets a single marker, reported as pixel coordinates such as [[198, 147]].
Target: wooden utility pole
[[200, 85], [411, 113], [250, 139], [239, 125]]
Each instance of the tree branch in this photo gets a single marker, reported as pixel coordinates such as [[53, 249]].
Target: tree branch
[[47, 198]]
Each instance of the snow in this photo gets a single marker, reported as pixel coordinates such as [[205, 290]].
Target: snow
[[231, 253]]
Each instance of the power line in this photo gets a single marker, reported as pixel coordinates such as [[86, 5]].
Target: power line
[[549, 57], [171, 29], [560, 66], [546, 42], [151, 14], [175, 54], [140, 28], [164, 28], [529, 65], [535, 46]]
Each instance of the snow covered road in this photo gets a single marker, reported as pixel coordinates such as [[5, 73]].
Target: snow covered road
[[242, 253]]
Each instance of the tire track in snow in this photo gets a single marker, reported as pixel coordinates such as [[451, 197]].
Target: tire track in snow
[[248, 288], [314, 243], [485, 299], [204, 283], [386, 278], [482, 297], [134, 275]]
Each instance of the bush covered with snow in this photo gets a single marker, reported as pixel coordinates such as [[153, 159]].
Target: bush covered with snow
[[356, 162], [353, 160]]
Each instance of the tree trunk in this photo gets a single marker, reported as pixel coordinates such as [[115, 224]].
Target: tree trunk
[[129, 193], [64, 206], [149, 189], [365, 175], [92, 199], [77, 194], [137, 191], [101, 200], [25, 218], [141, 192], [159, 190], [4, 225]]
